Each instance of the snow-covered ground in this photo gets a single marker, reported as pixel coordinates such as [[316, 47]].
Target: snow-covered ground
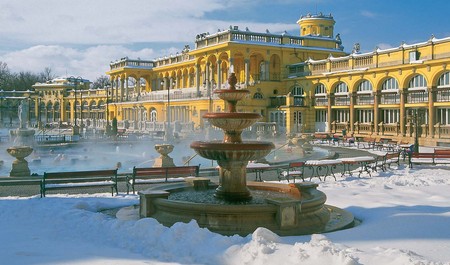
[[404, 213]]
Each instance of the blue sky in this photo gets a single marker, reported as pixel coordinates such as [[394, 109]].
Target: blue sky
[[82, 37]]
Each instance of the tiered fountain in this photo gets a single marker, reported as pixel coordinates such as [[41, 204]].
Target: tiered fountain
[[232, 154], [235, 206], [24, 139]]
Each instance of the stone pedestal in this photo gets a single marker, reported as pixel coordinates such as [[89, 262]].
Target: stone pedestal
[[164, 160], [146, 198], [20, 165]]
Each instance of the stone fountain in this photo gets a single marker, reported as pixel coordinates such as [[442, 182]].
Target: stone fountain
[[164, 160], [233, 205], [23, 142], [232, 154]]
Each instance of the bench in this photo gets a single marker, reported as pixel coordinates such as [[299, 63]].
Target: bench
[[322, 137], [439, 156], [366, 142], [152, 175], [385, 161], [294, 170], [20, 181], [79, 179]]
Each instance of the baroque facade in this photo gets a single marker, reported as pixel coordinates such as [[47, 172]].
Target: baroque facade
[[299, 84]]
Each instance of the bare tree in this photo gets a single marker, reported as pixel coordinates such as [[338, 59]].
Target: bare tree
[[47, 74], [101, 82]]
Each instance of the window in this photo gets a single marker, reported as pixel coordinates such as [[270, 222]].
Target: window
[[320, 90], [364, 116], [444, 80], [443, 116], [342, 116], [365, 86], [413, 56], [298, 94], [417, 81], [391, 116], [297, 91], [153, 115], [390, 85], [321, 116], [341, 88], [279, 117]]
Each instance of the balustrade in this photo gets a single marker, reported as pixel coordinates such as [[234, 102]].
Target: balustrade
[[364, 99], [320, 101], [417, 97], [443, 95], [342, 101], [390, 98]]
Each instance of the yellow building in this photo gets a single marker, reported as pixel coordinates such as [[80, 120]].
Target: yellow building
[[303, 83]]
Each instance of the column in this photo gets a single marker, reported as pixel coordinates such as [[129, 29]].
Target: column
[[126, 89], [117, 89], [122, 88], [431, 113], [197, 78], [376, 111], [138, 86], [113, 82], [246, 70], [208, 78], [219, 74], [352, 112], [266, 71], [402, 113], [329, 113]]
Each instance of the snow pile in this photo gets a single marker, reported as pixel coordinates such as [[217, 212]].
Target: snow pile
[[404, 214]]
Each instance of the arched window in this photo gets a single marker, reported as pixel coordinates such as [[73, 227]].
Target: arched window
[[320, 90], [417, 90], [341, 88], [443, 91], [365, 87], [444, 80], [417, 81], [390, 84], [297, 91], [153, 115]]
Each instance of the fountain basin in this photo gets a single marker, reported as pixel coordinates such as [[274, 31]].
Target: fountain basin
[[232, 121], [246, 151], [302, 212], [19, 152], [231, 94]]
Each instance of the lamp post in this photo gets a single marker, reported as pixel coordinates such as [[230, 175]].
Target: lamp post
[[167, 134], [417, 117], [108, 126], [75, 81]]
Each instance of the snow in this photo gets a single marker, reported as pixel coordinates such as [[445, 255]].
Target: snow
[[404, 215]]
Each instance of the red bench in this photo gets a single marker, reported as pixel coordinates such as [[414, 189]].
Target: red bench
[[439, 156], [294, 170]]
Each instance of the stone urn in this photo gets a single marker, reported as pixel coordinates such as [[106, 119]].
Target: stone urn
[[20, 165], [164, 160]]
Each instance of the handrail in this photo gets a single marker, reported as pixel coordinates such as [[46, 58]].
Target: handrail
[[189, 160], [273, 151], [186, 163]]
